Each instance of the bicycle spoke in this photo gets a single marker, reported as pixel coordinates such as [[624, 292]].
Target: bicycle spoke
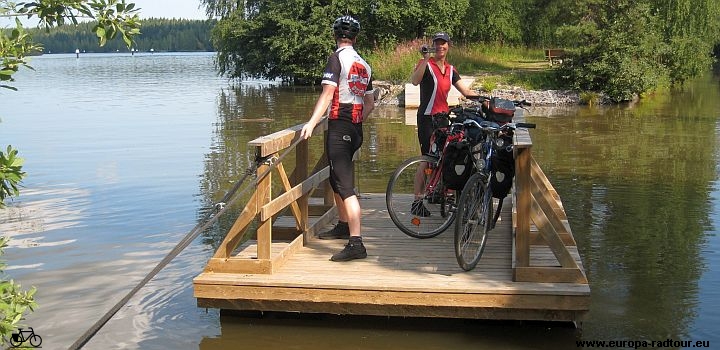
[[426, 218], [470, 233]]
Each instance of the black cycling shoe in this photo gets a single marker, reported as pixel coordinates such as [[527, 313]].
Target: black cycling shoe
[[340, 231], [352, 251], [419, 209]]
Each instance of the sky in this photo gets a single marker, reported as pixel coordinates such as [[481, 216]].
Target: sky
[[186, 9]]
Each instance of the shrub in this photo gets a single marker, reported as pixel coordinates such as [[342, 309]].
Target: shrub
[[10, 174], [14, 302]]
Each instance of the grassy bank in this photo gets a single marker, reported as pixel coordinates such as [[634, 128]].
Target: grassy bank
[[493, 65]]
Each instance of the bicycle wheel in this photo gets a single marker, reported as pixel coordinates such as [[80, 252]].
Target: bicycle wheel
[[35, 340], [15, 342], [439, 204], [474, 215]]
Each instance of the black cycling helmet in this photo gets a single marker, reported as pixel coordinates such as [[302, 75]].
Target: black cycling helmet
[[346, 27]]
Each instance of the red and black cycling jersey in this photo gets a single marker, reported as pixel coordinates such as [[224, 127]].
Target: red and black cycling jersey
[[435, 87], [351, 76]]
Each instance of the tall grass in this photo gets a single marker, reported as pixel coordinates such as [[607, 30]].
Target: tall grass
[[493, 65], [395, 64]]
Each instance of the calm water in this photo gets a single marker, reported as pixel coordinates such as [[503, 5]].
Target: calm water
[[124, 153]]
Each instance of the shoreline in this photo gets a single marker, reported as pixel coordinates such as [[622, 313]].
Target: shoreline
[[393, 95]]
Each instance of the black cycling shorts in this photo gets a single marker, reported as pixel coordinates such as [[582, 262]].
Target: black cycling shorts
[[424, 131], [343, 140]]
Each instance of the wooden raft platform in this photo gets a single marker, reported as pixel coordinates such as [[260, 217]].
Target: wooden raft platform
[[530, 269], [402, 276]]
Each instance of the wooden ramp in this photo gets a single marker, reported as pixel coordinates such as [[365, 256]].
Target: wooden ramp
[[402, 276]]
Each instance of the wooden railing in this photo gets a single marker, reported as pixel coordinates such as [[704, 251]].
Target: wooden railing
[[263, 208], [536, 201]]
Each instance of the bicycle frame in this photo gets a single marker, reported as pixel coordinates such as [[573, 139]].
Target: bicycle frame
[[452, 132]]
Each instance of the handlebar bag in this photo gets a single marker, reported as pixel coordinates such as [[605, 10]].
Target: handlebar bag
[[499, 110]]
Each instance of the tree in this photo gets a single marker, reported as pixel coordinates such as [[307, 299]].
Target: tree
[[616, 50], [494, 21], [626, 48], [290, 39]]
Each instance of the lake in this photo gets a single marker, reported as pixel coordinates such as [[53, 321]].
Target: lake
[[125, 154]]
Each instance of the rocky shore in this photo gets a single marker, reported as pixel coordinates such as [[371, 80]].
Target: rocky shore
[[390, 94]]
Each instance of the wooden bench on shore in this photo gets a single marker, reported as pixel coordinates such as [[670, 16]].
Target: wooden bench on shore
[[554, 54]]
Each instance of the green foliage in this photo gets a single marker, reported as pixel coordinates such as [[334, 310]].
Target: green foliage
[[274, 42], [629, 48], [14, 301], [10, 174], [14, 47], [113, 16], [290, 40], [623, 48], [494, 21], [394, 64], [623, 59]]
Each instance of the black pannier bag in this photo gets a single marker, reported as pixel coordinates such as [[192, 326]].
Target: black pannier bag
[[458, 165], [503, 171], [499, 110], [439, 142], [440, 124]]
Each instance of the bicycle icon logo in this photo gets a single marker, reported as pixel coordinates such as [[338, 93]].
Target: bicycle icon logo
[[22, 336]]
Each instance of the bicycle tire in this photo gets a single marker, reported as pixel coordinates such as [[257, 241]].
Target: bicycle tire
[[35, 340], [15, 343], [400, 195], [474, 215]]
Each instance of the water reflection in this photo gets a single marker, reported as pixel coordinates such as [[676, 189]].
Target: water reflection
[[635, 184], [289, 331]]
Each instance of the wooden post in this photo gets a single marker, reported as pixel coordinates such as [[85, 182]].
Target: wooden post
[[264, 230], [302, 156], [522, 187]]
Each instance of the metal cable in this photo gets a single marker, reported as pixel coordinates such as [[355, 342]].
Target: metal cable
[[206, 221]]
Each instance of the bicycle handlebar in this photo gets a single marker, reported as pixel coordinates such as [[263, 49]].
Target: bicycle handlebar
[[488, 125]]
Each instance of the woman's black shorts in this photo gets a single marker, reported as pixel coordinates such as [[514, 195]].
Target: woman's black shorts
[[424, 131]]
